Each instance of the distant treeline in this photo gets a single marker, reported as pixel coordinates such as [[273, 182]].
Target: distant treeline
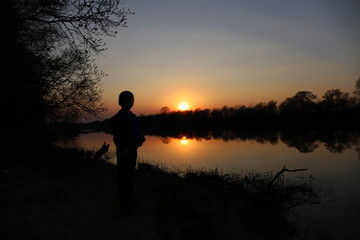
[[335, 109]]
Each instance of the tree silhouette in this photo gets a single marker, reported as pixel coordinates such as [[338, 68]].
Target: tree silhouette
[[164, 110], [357, 88], [336, 100], [72, 24], [302, 102], [72, 85], [49, 47], [21, 73]]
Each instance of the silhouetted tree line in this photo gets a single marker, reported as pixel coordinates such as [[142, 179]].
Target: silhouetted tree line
[[48, 48], [336, 109]]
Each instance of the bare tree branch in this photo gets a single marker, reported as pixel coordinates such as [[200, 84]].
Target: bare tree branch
[[284, 169], [64, 35]]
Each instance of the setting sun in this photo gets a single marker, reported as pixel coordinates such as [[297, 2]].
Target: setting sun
[[183, 106], [184, 141]]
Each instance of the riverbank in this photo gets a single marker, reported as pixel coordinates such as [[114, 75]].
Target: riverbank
[[54, 193]]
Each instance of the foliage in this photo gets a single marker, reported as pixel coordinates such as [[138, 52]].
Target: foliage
[[81, 95], [336, 100], [303, 101], [72, 23], [164, 110], [49, 49], [357, 88]]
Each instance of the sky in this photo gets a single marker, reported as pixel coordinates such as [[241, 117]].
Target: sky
[[212, 53]]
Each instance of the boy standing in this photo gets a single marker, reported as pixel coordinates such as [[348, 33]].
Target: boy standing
[[127, 138]]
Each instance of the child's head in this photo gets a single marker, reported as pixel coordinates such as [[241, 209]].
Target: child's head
[[126, 100]]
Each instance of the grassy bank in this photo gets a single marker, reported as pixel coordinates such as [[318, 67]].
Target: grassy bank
[[54, 193]]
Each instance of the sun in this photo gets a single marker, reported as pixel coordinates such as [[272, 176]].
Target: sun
[[183, 106], [184, 141]]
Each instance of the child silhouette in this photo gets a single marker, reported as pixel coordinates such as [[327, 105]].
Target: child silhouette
[[127, 138]]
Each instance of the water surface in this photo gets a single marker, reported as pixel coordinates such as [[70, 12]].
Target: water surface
[[333, 163]]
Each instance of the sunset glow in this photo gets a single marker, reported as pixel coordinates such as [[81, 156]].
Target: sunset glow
[[184, 141], [183, 106], [209, 62]]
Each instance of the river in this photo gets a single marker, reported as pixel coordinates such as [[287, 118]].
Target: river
[[332, 160]]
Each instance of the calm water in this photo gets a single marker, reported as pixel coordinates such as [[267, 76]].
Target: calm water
[[334, 163]]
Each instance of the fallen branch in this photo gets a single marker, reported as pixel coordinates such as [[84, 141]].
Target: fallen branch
[[104, 149], [284, 169]]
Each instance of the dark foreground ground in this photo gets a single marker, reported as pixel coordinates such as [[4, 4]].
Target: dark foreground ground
[[53, 193]]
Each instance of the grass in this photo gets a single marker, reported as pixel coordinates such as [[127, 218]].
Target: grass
[[52, 193]]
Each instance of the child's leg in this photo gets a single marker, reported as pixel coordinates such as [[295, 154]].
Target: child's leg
[[120, 172], [126, 162], [132, 165]]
